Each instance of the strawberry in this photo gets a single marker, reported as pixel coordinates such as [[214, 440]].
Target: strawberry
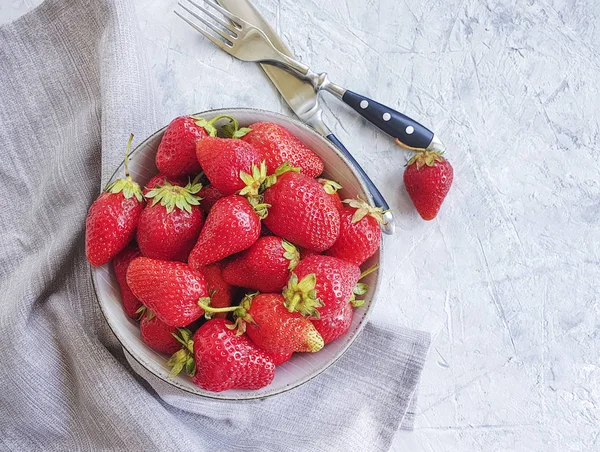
[[220, 292], [336, 325], [113, 218], [275, 329], [231, 226], [279, 358], [120, 264], [158, 335], [302, 212], [428, 177], [218, 359], [265, 266], [360, 234], [169, 227], [160, 179], [321, 285], [277, 145], [209, 195], [176, 154], [171, 290], [223, 159], [331, 188], [304, 253], [271, 326]]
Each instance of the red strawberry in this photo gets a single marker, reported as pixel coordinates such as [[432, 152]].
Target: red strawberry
[[277, 145], [265, 266], [271, 326], [331, 188], [120, 264], [171, 290], [336, 325], [231, 226], [169, 227], [223, 159], [279, 358], [302, 212], [321, 285], [304, 253], [360, 234], [428, 177], [275, 329], [209, 195], [223, 360], [160, 179], [158, 335], [176, 154], [113, 218], [220, 292]]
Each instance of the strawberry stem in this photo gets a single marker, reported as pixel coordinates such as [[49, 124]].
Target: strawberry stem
[[368, 271], [212, 310], [126, 161]]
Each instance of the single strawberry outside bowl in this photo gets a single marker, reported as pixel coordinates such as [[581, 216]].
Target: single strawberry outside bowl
[[303, 366]]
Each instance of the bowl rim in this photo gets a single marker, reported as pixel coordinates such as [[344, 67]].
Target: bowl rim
[[340, 353]]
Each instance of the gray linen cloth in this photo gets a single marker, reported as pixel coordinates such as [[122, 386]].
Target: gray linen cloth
[[73, 85]]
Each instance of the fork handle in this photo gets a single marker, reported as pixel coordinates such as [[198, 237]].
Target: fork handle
[[409, 132]]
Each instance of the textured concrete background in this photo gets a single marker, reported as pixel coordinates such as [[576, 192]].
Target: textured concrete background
[[507, 277]]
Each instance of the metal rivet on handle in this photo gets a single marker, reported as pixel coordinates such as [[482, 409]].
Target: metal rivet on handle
[[364, 104], [410, 130], [387, 116]]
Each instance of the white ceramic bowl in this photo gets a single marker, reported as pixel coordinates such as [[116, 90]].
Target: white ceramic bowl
[[303, 366]]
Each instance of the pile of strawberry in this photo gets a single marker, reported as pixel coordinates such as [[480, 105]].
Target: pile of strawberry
[[234, 256]]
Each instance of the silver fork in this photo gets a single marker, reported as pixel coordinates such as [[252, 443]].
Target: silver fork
[[248, 43]]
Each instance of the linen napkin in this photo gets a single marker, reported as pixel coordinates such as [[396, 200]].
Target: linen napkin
[[73, 85]]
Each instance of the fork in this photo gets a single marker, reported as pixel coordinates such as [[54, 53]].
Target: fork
[[246, 42]]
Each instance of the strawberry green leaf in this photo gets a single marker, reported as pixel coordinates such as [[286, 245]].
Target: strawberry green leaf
[[241, 132], [363, 209], [301, 296], [171, 196], [291, 253], [331, 187], [126, 186], [360, 289], [357, 303]]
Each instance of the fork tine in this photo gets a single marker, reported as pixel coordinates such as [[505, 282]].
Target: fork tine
[[214, 17], [226, 13], [223, 45], [228, 37]]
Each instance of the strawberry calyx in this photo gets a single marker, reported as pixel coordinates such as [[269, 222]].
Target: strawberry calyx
[[240, 313], [183, 359], [424, 158], [258, 181], [254, 181], [144, 311], [233, 129], [291, 253], [363, 209], [300, 296], [260, 208], [209, 126], [331, 187], [361, 288], [254, 188], [286, 167], [127, 186], [171, 196]]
